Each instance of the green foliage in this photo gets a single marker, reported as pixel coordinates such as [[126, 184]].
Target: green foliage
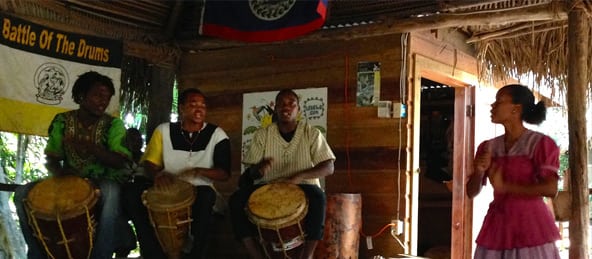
[[33, 164], [563, 162], [7, 156], [175, 105]]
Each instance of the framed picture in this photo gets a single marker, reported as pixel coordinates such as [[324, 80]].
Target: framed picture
[[368, 91]]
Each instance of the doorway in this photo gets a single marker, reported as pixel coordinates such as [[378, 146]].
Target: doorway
[[436, 169]]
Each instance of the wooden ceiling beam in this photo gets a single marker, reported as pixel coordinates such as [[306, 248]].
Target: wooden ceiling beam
[[96, 7], [509, 32], [171, 25], [555, 11]]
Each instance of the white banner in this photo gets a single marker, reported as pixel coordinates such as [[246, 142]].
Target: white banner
[[39, 67], [37, 79]]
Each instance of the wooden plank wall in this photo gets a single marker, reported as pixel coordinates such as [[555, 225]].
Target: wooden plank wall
[[367, 147]]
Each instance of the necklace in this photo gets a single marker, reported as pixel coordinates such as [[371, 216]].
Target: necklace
[[190, 138]]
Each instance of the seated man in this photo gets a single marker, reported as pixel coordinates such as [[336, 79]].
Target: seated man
[[193, 151], [286, 151], [89, 143]]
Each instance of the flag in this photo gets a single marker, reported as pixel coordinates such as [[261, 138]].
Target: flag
[[38, 69], [261, 20]]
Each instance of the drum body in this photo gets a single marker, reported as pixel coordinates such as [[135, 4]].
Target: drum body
[[169, 209], [61, 214], [277, 209], [343, 222]]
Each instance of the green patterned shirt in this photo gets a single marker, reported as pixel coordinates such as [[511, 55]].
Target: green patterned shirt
[[108, 132]]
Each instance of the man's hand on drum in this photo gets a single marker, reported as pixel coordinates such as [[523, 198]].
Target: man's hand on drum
[[190, 173], [263, 166], [54, 166], [163, 179], [294, 179]]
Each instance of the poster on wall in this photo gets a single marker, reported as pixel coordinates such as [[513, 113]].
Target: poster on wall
[[39, 67], [258, 110], [368, 91]]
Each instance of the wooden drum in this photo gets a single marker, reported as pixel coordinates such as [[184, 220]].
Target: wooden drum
[[343, 222], [277, 209], [61, 214], [169, 208]]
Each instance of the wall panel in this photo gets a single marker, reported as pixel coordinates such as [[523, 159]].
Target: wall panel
[[367, 147]]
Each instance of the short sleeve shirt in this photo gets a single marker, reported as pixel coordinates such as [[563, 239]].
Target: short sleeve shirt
[[109, 132], [305, 150]]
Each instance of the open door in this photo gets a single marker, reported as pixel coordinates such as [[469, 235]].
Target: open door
[[462, 206], [459, 221]]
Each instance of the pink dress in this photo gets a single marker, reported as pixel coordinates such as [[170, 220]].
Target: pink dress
[[520, 221]]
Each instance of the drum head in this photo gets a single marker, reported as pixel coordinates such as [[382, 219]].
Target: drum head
[[65, 196], [281, 202], [178, 194]]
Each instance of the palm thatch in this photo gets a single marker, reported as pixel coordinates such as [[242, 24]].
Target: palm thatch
[[538, 49]]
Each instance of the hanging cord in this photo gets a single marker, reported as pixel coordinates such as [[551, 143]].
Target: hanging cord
[[390, 225], [347, 115], [403, 95]]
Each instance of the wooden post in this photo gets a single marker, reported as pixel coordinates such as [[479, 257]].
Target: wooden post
[[161, 98], [578, 33]]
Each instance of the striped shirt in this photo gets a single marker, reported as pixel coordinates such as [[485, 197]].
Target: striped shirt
[[307, 148]]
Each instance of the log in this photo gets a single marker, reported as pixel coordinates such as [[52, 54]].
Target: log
[[578, 37]]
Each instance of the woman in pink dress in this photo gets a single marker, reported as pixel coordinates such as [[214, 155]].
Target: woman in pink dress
[[522, 166]]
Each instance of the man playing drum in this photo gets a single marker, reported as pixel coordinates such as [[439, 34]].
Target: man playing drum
[[193, 151], [89, 143], [288, 151]]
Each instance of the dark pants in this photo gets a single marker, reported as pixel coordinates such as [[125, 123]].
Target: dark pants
[[136, 211], [149, 246], [314, 221]]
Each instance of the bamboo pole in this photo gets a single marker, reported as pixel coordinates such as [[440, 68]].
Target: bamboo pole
[[578, 34]]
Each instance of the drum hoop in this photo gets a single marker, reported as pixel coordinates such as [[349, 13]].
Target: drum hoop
[[166, 207], [89, 203], [281, 222], [301, 196]]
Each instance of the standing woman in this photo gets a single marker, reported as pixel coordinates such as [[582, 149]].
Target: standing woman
[[522, 166]]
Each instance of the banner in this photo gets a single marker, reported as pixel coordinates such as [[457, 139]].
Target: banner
[[39, 67], [261, 20], [258, 109]]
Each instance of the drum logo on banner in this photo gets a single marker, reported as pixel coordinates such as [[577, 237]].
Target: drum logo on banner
[[51, 80]]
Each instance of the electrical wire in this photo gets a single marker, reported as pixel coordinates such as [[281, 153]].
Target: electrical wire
[[402, 96]]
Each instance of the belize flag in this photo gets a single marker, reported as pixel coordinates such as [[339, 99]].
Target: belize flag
[[261, 20]]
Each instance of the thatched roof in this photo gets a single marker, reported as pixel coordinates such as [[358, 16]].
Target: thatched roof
[[511, 37]]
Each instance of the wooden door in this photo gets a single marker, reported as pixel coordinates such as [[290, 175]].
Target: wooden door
[[461, 239], [464, 126]]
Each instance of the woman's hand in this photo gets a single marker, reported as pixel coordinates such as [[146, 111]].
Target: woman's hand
[[483, 160], [496, 178]]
